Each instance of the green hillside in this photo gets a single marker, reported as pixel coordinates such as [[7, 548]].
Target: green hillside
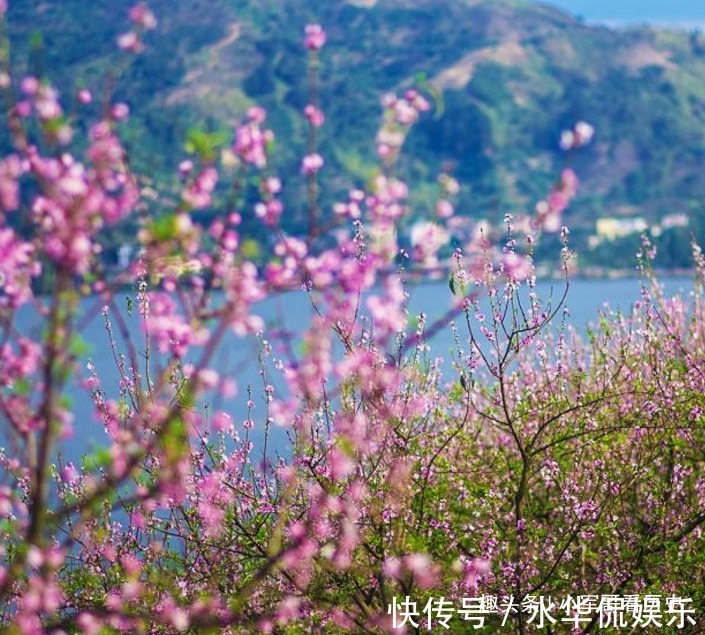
[[510, 75]]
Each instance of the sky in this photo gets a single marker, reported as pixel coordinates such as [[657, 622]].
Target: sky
[[683, 13]]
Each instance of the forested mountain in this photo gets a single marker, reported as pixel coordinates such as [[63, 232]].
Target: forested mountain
[[506, 76]]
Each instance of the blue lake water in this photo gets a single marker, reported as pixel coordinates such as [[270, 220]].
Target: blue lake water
[[237, 357]]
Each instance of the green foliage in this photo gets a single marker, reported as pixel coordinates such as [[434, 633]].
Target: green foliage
[[205, 145]]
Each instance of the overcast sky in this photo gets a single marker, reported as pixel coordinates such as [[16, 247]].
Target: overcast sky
[[676, 12]]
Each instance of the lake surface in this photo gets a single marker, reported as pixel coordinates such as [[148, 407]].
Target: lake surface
[[237, 357]]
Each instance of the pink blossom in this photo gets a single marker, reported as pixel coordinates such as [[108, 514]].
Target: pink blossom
[[251, 141], [89, 623], [272, 185], [557, 201], [516, 267], [580, 135], [449, 184], [11, 168], [383, 150], [198, 193], [584, 133], [308, 377], [405, 113], [35, 557], [84, 96], [269, 211], [257, 115], [243, 289], [29, 85], [420, 565], [392, 567], [46, 102], [387, 311], [130, 42], [5, 501], [444, 208], [427, 238], [141, 15], [552, 222], [17, 267], [341, 465], [23, 108], [69, 474], [548, 212], [569, 181], [314, 115], [168, 329], [120, 111], [315, 37], [311, 163], [399, 115], [417, 100]]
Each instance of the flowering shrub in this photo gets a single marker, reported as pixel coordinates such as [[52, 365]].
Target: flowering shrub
[[539, 465]]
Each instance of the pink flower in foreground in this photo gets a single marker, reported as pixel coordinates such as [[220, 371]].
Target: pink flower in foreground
[[130, 42], [551, 222], [314, 115], [272, 185], [29, 85], [84, 96], [427, 239], [424, 571], [251, 140], [168, 329], [580, 135], [198, 193], [11, 168], [120, 111], [444, 208], [312, 163], [46, 103], [516, 267], [16, 268], [548, 212], [584, 133], [569, 181], [314, 37], [142, 16], [257, 114], [567, 141], [269, 211]]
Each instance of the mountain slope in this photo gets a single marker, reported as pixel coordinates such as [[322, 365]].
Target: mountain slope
[[511, 75]]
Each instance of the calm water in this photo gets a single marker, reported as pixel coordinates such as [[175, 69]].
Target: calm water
[[291, 313]]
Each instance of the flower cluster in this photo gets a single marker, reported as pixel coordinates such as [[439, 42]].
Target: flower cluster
[[143, 20], [549, 211], [400, 113], [581, 135], [270, 209], [315, 37], [77, 201], [527, 460], [199, 192], [251, 140], [17, 268]]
